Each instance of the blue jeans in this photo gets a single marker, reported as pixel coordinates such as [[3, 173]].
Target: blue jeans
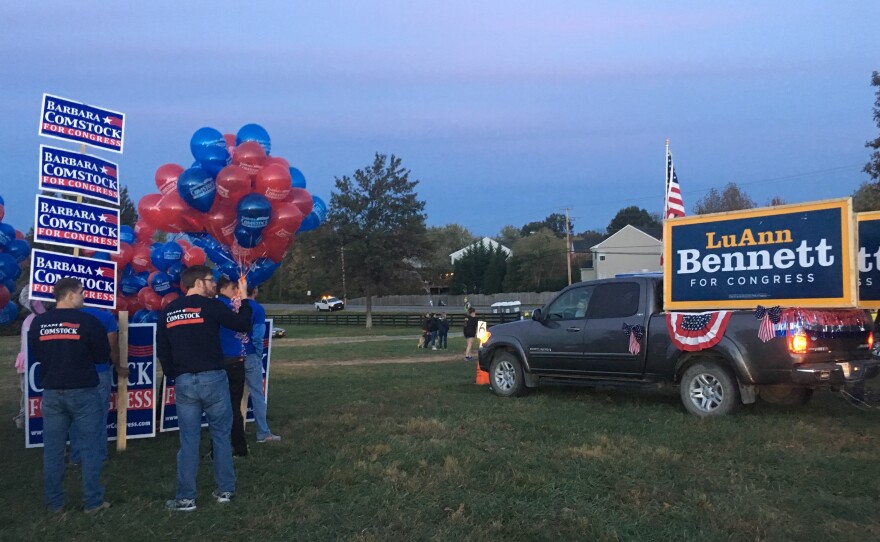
[[432, 338], [206, 392], [253, 375], [78, 409], [105, 383], [441, 339]]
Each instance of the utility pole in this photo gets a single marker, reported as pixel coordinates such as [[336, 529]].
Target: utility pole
[[344, 293], [568, 244]]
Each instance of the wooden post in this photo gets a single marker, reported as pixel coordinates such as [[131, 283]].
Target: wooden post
[[122, 386]]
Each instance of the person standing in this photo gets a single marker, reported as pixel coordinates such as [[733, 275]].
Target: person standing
[[253, 368], [432, 332], [234, 353], [35, 308], [442, 331], [470, 331], [68, 343], [188, 346]]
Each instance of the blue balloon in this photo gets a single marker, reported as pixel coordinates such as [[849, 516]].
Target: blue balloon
[[161, 283], [144, 316], [247, 238], [205, 139], [297, 179], [18, 249], [100, 255], [126, 234], [230, 269], [197, 188], [316, 217], [143, 278], [8, 313], [2, 202], [130, 285], [253, 212], [260, 271], [310, 222], [218, 254], [9, 269], [9, 284], [319, 208], [254, 132], [174, 270], [215, 159], [7, 235]]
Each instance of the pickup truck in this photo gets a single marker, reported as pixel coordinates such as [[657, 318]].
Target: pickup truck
[[579, 338], [329, 304]]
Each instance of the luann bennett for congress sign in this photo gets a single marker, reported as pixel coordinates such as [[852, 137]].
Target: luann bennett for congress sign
[[792, 255], [869, 259]]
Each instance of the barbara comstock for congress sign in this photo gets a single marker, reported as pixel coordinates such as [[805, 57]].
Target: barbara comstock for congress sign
[[791, 255]]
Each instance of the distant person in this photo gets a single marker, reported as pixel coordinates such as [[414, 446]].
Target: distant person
[[188, 346], [36, 308], [470, 331], [234, 354], [68, 343], [442, 331], [253, 368], [424, 329], [432, 327]]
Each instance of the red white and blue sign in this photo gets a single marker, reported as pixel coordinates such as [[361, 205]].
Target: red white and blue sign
[[78, 174], [78, 225], [98, 277], [169, 406], [65, 119], [141, 394]]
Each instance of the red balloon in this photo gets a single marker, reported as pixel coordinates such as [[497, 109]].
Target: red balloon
[[302, 199], [277, 160], [126, 252], [19, 235], [4, 296], [276, 247], [152, 300], [177, 216], [88, 253], [168, 298], [221, 223], [230, 143], [286, 219], [142, 294], [121, 304], [242, 254], [134, 303], [2, 214], [149, 211], [194, 256], [233, 182], [140, 258], [273, 181], [166, 177], [184, 244], [250, 156], [143, 232]]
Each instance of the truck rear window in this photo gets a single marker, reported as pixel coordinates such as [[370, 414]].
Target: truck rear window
[[614, 300]]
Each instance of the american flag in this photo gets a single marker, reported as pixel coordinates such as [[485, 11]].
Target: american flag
[[674, 203]]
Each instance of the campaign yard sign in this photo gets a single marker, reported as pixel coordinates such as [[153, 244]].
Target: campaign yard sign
[[792, 255], [78, 174], [98, 277], [78, 225], [68, 120], [169, 407], [869, 259], [141, 393]]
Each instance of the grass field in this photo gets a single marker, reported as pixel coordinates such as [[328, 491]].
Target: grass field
[[313, 331], [418, 452]]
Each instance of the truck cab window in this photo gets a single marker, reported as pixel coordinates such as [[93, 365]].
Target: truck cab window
[[571, 305], [615, 300]]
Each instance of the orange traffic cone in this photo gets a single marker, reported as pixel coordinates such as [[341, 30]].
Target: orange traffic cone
[[482, 376]]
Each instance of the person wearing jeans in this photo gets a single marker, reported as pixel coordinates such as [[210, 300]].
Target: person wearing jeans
[[253, 369], [234, 353], [68, 344]]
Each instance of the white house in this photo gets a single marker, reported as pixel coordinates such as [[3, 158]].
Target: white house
[[486, 242], [630, 250]]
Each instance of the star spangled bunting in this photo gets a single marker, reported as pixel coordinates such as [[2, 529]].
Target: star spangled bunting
[[768, 317], [694, 331]]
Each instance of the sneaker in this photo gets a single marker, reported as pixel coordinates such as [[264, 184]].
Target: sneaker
[[269, 438], [223, 496], [181, 505], [103, 506], [433, 348]]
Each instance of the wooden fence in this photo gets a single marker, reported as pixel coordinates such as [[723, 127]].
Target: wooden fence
[[381, 319]]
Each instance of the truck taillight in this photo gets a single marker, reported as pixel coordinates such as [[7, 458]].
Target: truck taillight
[[870, 341], [797, 344]]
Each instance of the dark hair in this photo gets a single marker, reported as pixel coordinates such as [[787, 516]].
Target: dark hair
[[224, 281], [65, 286], [472, 310], [252, 290], [191, 274]]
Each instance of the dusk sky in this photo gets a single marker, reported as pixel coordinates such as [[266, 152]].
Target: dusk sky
[[506, 111]]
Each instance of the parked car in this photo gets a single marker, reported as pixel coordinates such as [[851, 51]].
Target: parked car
[[277, 332], [579, 338], [329, 304]]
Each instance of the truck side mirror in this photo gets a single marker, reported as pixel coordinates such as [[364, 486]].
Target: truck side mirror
[[536, 315]]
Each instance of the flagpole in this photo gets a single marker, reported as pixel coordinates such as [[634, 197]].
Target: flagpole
[[666, 191]]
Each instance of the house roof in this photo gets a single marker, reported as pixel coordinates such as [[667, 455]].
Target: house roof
[[628, 230], [486, 242]]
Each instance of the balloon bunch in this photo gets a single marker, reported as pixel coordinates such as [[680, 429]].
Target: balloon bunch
[[14, 251], [238, 206]]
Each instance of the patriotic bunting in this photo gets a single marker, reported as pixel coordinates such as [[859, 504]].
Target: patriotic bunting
[[693, 331]]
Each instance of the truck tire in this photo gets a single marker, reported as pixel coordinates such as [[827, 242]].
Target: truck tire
[[785, 395], [506, 375], [709, 389]]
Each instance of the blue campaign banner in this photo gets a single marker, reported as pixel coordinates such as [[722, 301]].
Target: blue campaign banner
[[141, 404], [98, 277], [869, 259], [141, 417], [78, 174], [267, 360], [78, 225], [169, 408], [792, 255], [65, 119]]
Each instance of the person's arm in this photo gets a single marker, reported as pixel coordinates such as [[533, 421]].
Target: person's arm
[[163, 348], [120, 365], [258, 331], [226, 317], [100, 343]]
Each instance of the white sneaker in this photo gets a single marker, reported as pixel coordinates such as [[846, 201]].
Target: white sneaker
[[433, 348]]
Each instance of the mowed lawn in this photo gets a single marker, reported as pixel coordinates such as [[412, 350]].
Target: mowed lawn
[[418, 452]]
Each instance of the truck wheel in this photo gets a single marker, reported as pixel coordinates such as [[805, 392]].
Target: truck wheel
[[785, 395], [506, 375], [708, 389]]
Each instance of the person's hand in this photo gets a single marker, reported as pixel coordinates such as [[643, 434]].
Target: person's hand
[[242, 287]]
